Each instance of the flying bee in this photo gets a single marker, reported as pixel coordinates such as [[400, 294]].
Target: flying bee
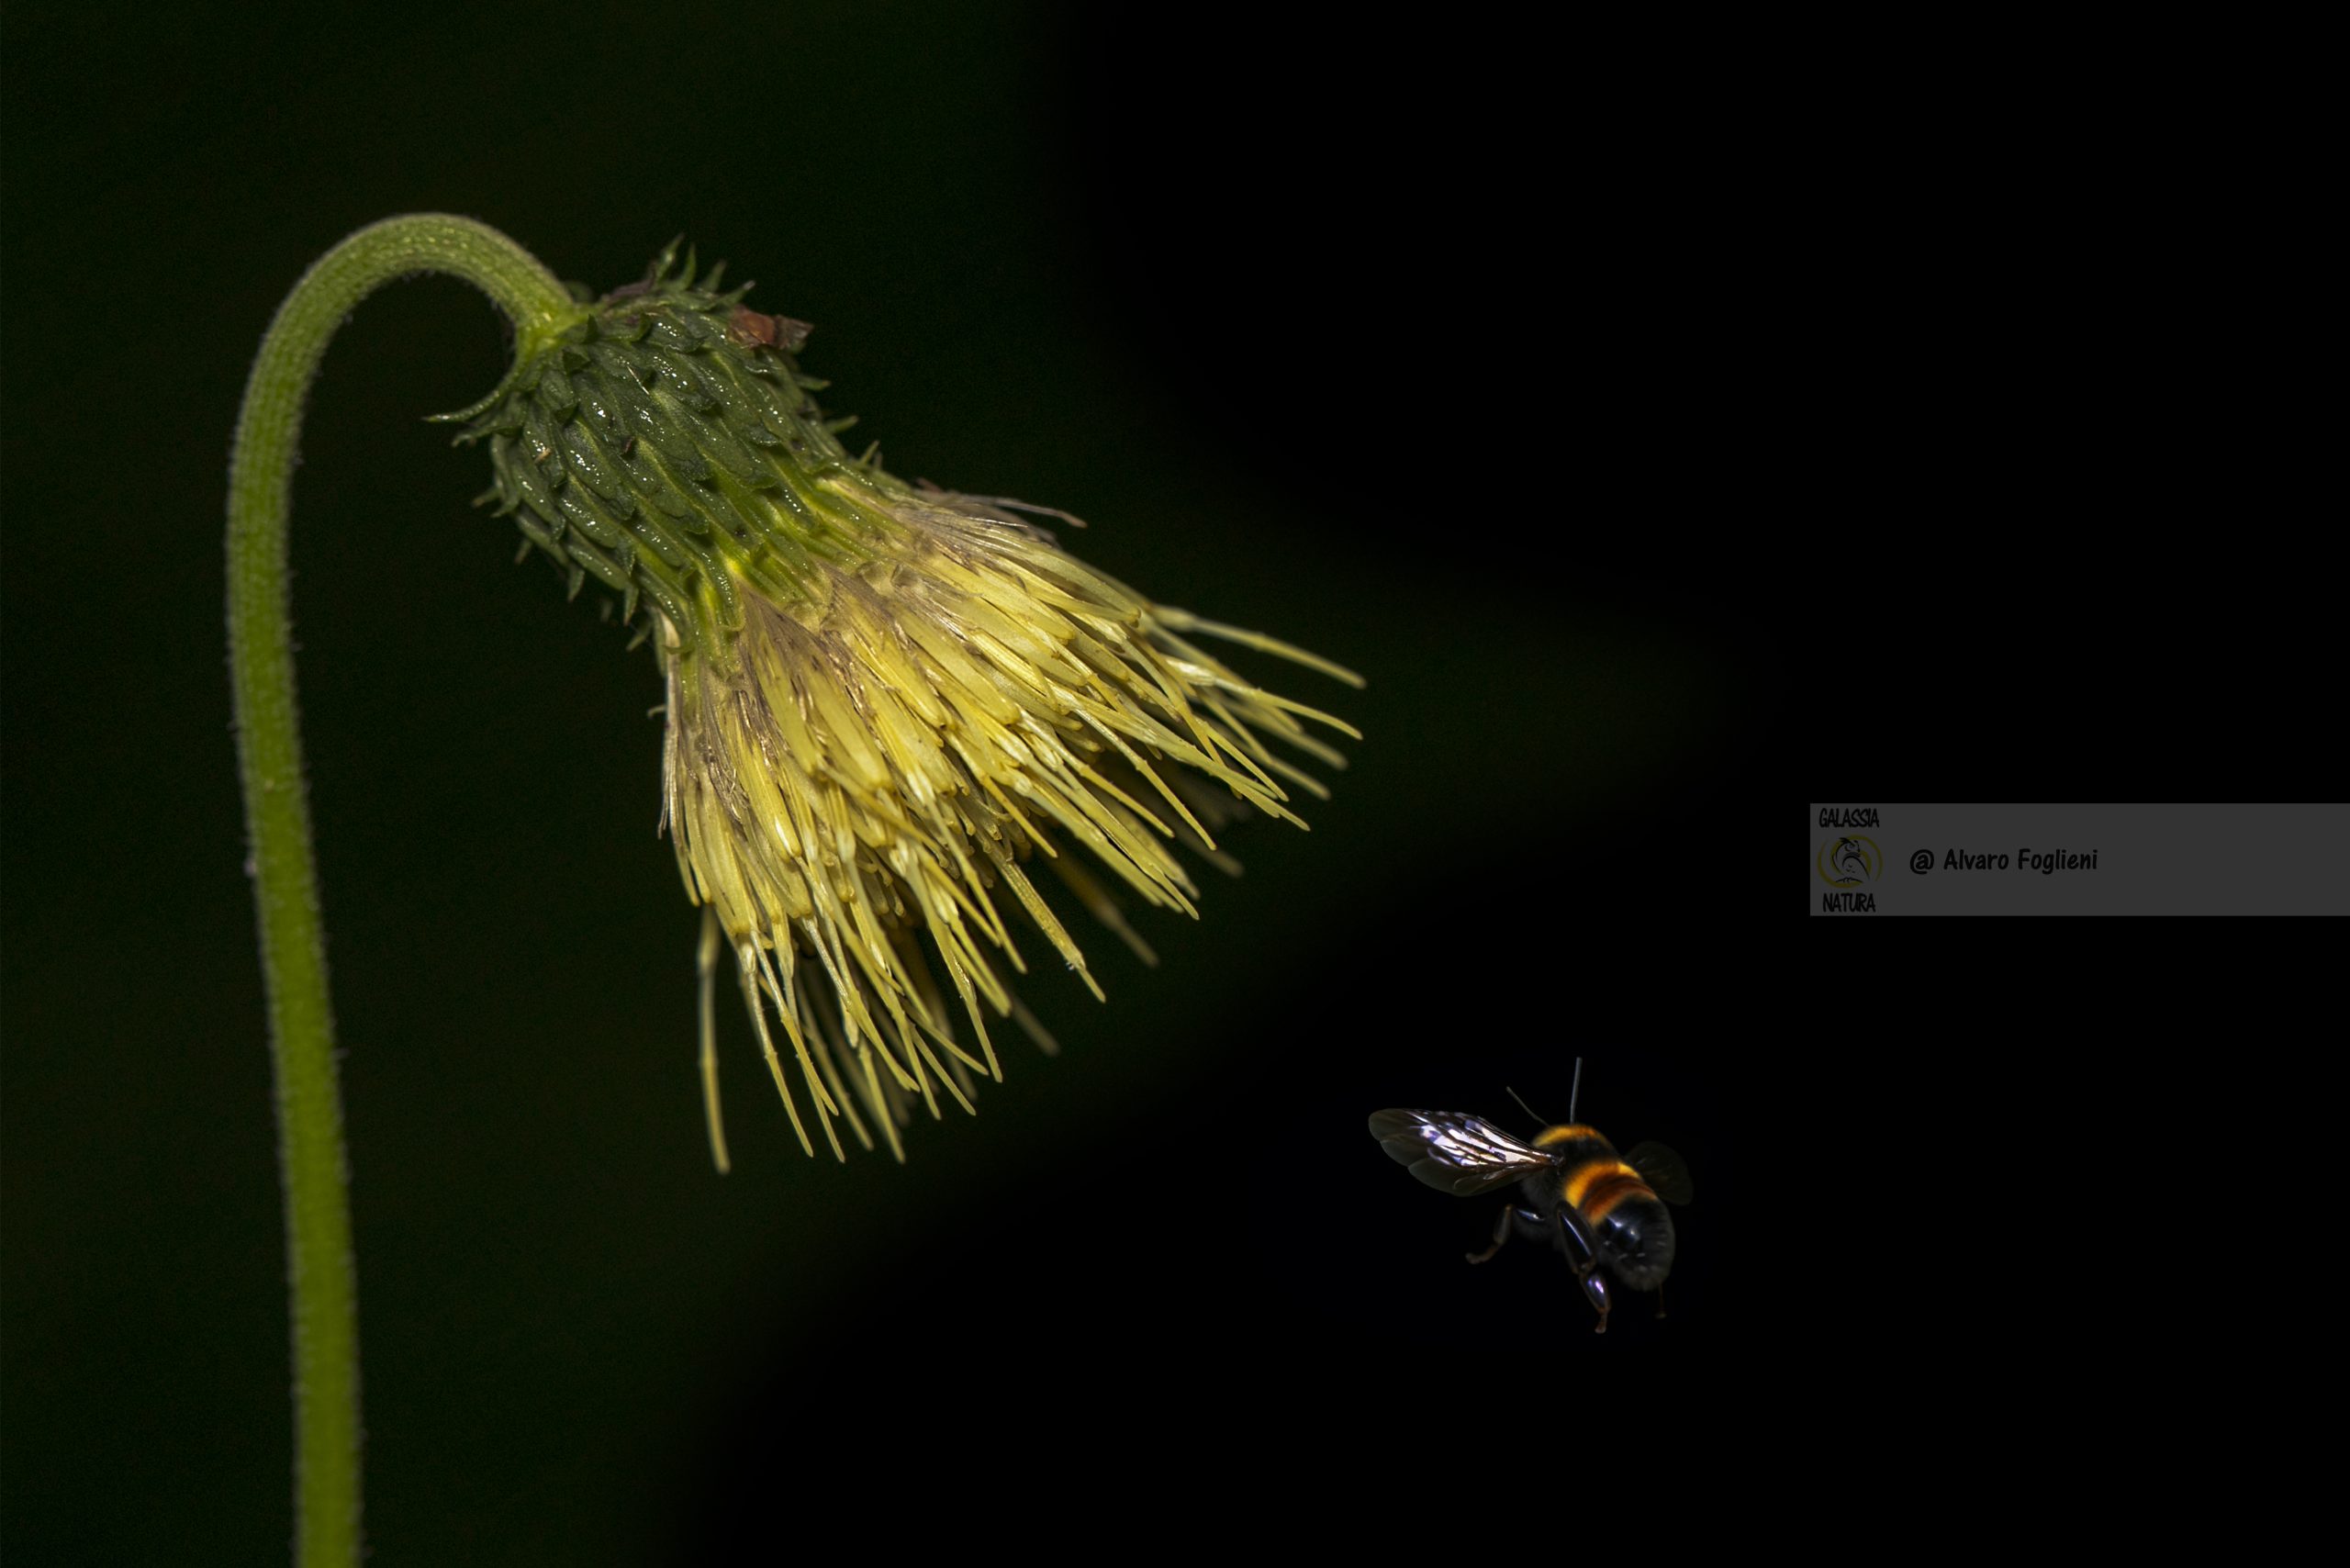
[[1605, 1212]]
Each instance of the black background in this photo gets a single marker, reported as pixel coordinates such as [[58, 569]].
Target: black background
[[1626, 409]]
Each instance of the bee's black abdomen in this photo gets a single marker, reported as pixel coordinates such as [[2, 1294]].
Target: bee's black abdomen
[[1630, 1226], [1636, 1239]]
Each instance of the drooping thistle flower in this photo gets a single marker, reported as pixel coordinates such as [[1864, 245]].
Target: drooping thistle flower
[[887, 705]]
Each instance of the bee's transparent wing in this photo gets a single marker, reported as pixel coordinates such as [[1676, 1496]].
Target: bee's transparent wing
[[1662, 1169], [1453, 1152]]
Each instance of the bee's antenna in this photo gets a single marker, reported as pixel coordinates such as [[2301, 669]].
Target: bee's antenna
[[1574, 1096], [1529, 1110]]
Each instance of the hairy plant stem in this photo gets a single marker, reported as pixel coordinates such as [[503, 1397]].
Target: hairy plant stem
[[321, 1279]]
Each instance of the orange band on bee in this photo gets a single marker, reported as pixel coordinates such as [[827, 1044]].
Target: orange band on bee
[[1599, 1186], [1551, 1137]]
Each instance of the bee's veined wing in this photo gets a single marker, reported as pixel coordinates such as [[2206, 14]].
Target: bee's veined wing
[[1662, 1170], [1453, 1152]]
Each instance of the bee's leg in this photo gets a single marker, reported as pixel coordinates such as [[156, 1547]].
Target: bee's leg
[[1575, 1240], [1660, 1298], [1501, 1234]]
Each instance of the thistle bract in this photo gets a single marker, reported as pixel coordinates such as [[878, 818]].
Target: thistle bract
[[887, 705]]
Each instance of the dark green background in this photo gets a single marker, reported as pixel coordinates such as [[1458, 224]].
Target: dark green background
[[1412, 348]]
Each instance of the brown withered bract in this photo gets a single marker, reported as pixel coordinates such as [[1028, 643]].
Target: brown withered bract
[[755, 329]]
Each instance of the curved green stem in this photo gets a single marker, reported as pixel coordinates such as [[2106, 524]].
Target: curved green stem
[[321, 1279]]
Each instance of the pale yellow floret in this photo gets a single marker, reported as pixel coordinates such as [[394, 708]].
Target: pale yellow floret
[[881, 751]]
